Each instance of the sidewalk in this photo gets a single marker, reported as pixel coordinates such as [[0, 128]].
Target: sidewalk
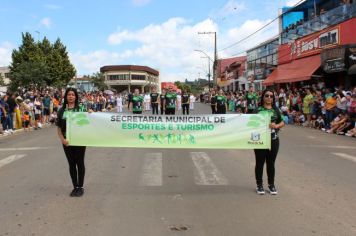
[[18, 131]]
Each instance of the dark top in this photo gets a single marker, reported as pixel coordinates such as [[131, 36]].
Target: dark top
[[252, 100], [162, 97], [213, 100], [171, 100], [137, 102], [185, 98], [12, 104], [154, 97], [221, 102]]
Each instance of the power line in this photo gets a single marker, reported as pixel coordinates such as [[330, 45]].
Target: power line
[[263, 27]]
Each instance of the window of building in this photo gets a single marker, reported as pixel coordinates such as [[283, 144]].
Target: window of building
[[119, 77], [7, 75], [138, 77]]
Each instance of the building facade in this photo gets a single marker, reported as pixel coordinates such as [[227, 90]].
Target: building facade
[[326, 56], [126, 78], [5, 74], [261, 61], [230, 70]]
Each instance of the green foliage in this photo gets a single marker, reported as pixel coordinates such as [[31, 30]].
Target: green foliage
[[2, 82], [183, 86], [40, 64], [98, 79]]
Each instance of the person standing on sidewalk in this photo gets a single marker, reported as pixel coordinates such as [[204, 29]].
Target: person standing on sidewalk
[[75, 154], [268, 155]]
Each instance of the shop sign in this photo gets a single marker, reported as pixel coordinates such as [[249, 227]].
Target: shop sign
[[352, 56], [312, 44], [333, 60]]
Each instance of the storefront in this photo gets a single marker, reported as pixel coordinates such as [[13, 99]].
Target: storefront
[[320, 57]]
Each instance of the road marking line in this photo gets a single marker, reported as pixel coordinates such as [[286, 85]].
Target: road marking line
[[328, 146], [10, 159], [206, 172], [152, 170], [345, 156], [24, 149]]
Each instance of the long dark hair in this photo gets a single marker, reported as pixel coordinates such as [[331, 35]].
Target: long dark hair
[[274, 107], [76, 102]]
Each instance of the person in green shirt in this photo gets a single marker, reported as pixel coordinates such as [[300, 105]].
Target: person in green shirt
[[252, 100], [221, 103], [136, 105], [170, 102], [268, 156]]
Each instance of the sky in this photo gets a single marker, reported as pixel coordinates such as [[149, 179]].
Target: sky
[[161, 34]]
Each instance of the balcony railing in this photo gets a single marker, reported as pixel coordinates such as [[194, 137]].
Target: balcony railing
[[325, 20]]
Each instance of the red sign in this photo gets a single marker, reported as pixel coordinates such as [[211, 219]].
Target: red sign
[[314, 43]]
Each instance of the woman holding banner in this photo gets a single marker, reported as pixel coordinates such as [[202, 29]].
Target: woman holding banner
[[75, 154], [268, 155]]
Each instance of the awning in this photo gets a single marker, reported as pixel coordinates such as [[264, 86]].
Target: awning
[[352, 70], [297, 70]]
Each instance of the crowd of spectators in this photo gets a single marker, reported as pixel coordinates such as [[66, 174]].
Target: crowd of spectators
[[332, 111]]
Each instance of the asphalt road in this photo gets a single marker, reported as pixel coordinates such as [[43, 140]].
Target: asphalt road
[[167, 192]]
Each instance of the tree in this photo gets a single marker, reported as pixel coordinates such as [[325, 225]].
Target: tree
[[2, 82], [98, 79], [40, 64]]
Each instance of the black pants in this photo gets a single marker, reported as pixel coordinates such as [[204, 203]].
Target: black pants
[[213, 109], [185, 108], [268, 156], [75, 156], [170, 111], [221, 111], [162, 111], [154, 108]]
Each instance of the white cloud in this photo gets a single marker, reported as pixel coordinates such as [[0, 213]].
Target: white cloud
[[292, 3], [140, 3], [46, 22], [52, 6], [169, 47], [88, 63], [247, 28], [5, 53]]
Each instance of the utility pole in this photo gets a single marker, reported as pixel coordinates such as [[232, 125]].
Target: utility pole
[[215, 55], [209, 71]]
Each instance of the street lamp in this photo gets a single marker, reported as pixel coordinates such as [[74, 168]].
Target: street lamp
[[209, 59], [215, 54]]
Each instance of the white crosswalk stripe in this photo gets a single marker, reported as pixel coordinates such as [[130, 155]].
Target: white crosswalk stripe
[[206, 172], [11, 159], [345, 156], [152, 170]]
